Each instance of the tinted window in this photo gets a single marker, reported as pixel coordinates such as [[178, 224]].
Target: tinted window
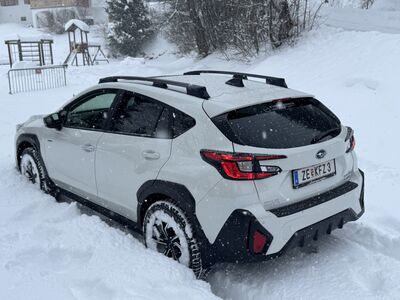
[[280, 124], [91, 112], [182, 123], [141, 115]]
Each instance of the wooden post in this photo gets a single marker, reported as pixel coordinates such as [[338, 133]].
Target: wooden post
[[87, 49], [21, 58], [69, 41], [83, 48], [9, 54], [41, 56], [76, 57], [51, 52]]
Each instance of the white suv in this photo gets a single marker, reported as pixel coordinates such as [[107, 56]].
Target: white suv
[[210, 166]]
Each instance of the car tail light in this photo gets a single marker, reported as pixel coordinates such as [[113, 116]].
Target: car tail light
[[350, 139], [240, 166], [259, 242]]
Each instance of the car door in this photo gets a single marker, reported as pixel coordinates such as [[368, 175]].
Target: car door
[[136, 146], [70, 152]]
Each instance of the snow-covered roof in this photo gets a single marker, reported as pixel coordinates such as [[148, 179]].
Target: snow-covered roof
[[78, 24]]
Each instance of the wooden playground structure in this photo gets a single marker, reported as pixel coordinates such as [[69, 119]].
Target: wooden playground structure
[[79, 45], [32, 49], [32, 64]]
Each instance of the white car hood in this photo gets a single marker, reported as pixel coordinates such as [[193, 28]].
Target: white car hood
[[33, 119]]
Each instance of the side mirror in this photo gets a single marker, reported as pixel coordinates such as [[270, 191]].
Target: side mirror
[[53, 121]]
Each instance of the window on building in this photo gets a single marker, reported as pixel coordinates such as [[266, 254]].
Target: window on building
[[8, 2]]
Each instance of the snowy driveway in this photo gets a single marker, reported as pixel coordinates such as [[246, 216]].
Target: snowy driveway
[[52, 251]]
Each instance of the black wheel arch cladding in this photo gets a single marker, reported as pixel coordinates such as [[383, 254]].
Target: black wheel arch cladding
[[178, 195], [24, 141]]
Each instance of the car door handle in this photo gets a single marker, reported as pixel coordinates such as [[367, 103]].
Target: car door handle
[[88, 148], [151, 155]]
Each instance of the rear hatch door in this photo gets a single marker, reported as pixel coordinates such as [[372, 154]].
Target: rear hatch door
[[306, 133]]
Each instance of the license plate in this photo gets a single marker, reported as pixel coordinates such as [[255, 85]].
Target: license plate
[[303, 177]]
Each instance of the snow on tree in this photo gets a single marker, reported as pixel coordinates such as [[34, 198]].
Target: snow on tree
[[129, 27], [241, 27]]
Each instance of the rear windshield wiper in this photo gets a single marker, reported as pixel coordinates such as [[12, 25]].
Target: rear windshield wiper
[[324, 134]]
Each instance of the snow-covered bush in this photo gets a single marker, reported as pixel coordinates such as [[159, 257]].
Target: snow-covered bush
[[55, 20], [367, 3], [391, 5], [129, 28], [243, 27]]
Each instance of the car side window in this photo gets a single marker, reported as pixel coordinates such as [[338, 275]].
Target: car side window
[[143, 116], [91, 112], [182, 123]]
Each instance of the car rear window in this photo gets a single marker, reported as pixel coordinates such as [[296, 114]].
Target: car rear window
[[280, 124]]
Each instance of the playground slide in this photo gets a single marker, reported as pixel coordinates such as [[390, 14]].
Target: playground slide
[[71, 57]]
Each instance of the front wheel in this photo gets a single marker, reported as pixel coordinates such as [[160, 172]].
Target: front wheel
[[167, 230]]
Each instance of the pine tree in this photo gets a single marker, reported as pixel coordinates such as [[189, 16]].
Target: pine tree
[[130, 26]]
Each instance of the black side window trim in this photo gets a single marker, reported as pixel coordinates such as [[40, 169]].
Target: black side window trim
[[176, 135]]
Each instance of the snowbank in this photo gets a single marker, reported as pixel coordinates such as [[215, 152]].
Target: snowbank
[[132, 61], [345, 3], [390, 5], [24, 65], [362, 19]]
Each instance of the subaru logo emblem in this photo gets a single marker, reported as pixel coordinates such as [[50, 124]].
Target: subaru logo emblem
[[321, 154]]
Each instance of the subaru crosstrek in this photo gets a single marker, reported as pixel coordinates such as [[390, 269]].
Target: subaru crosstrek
[[209, 166]]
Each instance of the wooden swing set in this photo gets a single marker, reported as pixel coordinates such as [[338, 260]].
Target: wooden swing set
[[91, 54], [37, 50]]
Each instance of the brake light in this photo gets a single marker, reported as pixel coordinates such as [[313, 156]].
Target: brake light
[[240, 166], [350, 139], [259, 241]]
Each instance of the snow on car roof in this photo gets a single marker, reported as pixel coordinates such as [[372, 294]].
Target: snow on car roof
[[78, 24], [224, 97]]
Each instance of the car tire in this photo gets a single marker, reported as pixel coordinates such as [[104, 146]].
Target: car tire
[[32, 167], [167, 230]]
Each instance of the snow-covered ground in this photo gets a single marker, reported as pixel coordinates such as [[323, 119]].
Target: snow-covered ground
[[50, 250], [363, 20]]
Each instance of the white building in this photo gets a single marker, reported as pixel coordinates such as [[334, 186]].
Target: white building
[[15, 11], [26, 11]]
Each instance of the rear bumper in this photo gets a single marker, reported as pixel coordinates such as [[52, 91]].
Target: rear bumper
[[288, 227]]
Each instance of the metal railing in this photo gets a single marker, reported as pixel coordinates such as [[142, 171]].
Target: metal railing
[[36, 78]]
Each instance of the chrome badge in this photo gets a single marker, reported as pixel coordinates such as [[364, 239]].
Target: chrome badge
[[321, 154]]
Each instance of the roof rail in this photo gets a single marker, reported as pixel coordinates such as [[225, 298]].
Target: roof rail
[[191, 89], [268, 79]]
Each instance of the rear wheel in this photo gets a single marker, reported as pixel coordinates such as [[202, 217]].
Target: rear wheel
[[32, 168], [167, 230]]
